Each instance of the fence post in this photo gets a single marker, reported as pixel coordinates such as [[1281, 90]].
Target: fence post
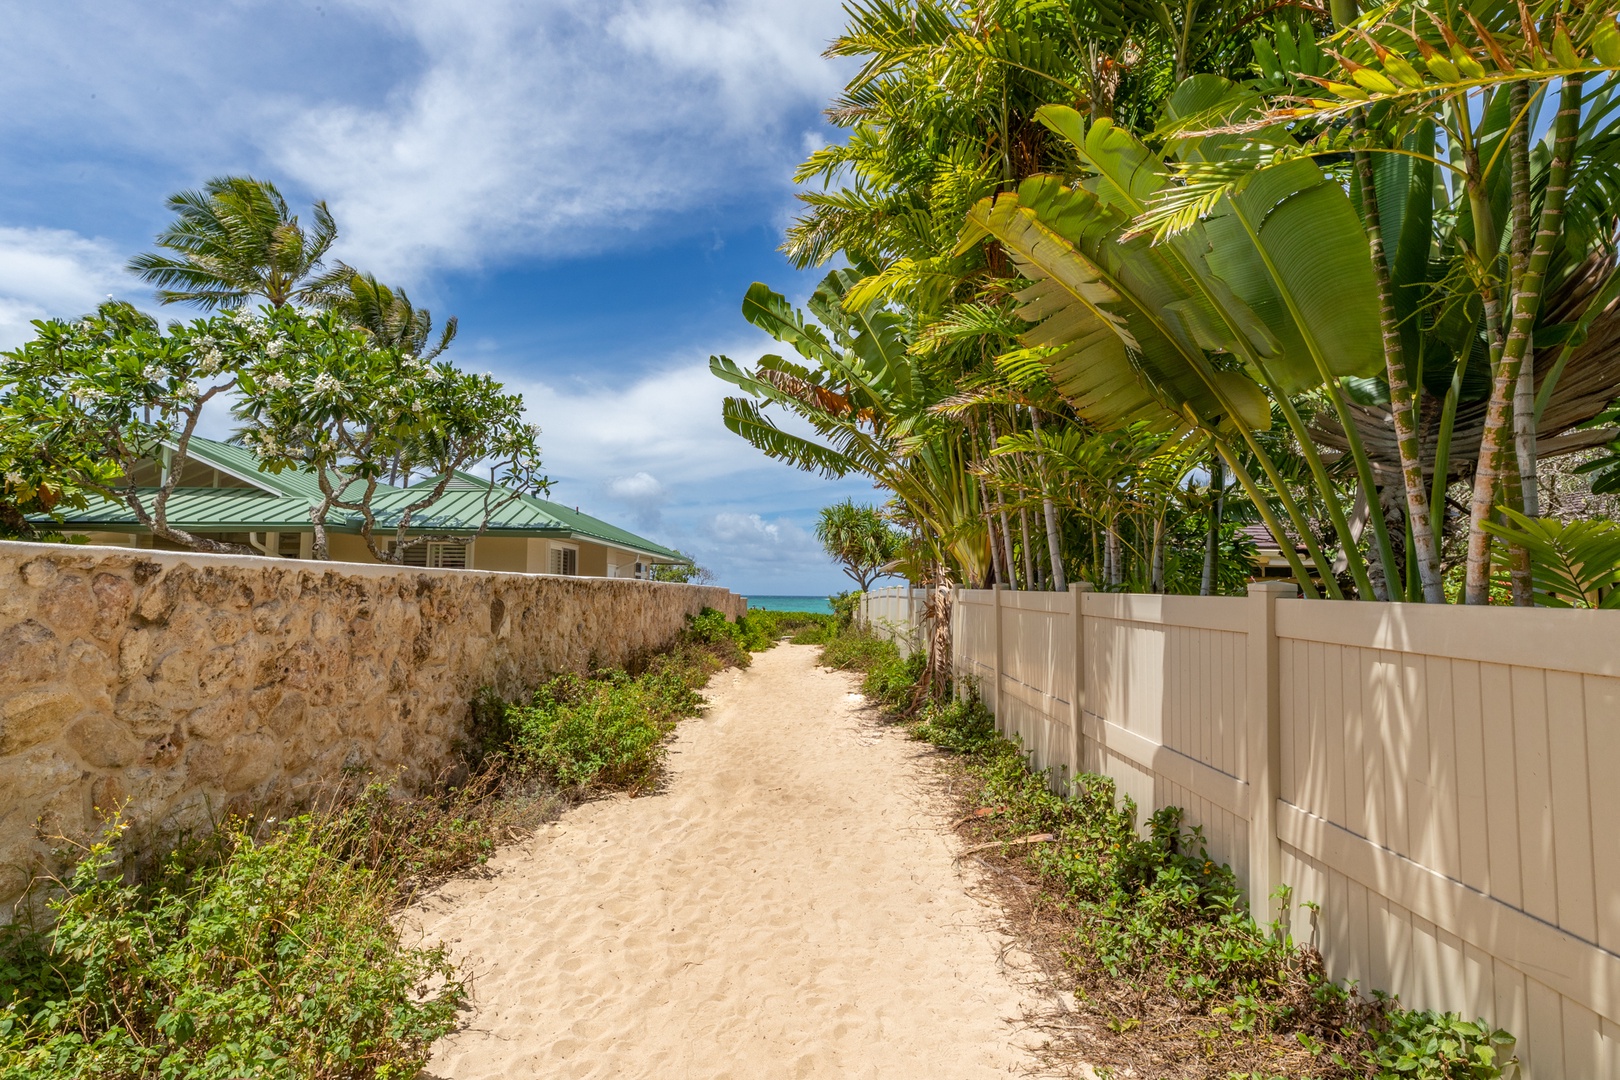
[[995, 636], [1264, 744], [913, 630], [954, 614], [1077, 708]]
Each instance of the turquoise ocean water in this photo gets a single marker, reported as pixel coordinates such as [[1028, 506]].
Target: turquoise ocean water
[[815, 604]]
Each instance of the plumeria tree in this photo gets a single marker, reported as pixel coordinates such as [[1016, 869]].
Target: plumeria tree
[[89, 406], [326, 398]]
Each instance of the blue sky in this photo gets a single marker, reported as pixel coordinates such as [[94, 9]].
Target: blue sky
[[590, 185]]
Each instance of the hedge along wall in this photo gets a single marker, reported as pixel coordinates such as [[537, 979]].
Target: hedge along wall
[[183, 686]]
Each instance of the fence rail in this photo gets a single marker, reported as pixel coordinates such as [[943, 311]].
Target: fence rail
[[1441, 784]]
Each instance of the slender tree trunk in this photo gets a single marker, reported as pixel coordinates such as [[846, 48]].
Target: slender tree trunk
[[997, 569], [1054, 544], [1402, 395], [1006, 540], [1524, 386], [1524, 434], [1525, 304], [318, 548], [1006, 525], [1156, 573], [1212, 541], [1116, 573], [1023, 538]]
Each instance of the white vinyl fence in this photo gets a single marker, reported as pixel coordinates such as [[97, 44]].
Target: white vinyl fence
[[896, 613], [1442, 782]]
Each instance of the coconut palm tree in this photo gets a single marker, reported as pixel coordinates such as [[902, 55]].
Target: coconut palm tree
[[236, 239], [387, 314]]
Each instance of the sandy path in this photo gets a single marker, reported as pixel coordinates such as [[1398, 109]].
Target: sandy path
[[788, 907]]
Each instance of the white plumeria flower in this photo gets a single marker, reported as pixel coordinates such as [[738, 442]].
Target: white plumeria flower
[[277, 381], [325, 384], [14, 478]]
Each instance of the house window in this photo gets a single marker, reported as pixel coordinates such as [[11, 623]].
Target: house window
[[289, 545], [456, 555], [564, 561]]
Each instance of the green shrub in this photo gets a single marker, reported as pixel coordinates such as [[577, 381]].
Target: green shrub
[[605, 731], [892, 680], [755, 631], [845, 605], [773, 626], [961, 725], [857, 649], [267, 958]]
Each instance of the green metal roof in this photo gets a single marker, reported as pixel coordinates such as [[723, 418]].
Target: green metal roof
[[528, 513], [215, 509], [243, 463], [285, 507]]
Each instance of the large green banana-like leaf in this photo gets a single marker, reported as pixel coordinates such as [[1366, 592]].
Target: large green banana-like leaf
[[771, 312], [872, 336], [1291, 246], [1106, 305], [1284, 263], [861, 396], [743, 417]]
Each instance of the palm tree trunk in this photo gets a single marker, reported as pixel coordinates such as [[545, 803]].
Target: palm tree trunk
[[1001, 509], [1525, 305], [1023, 538], [1054, 546], [1524, 434], [1519, 169], [1212, 541], [1402, 395], [998, 571], [1112, 568], [1156, 573]]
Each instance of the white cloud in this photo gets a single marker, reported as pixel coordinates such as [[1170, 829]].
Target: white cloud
[[560, 126], [643, 494], [750, 540], [666, 423], [47, 273]]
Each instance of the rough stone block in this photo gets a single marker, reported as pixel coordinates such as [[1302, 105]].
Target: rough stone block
[[34, 716], [103, 742], [220, 718], [29, 651], [115, 599]]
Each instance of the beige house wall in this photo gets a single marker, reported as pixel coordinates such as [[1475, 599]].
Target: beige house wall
[[1438, 782], [593, 560], [183, 686], [500, 554], [504, 554]]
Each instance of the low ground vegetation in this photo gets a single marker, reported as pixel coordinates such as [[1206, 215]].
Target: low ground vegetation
[[1170, 974], [269, 948]]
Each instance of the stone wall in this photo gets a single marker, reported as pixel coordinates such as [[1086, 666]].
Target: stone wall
[[183, 686]]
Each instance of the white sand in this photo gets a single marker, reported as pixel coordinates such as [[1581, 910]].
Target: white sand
[[788, 907]]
